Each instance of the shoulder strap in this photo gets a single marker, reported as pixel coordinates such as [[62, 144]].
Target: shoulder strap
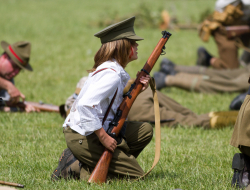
[[107, 112], [101, 70]]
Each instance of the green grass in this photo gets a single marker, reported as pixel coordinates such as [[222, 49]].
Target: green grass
[[63, 47]]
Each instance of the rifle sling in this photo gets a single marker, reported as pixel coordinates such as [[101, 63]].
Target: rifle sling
[[157, 128], [107, 112]]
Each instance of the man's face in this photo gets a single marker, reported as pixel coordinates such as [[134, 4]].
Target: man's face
[[8, 69]]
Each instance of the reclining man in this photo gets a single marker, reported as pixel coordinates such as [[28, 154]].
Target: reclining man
[[14, 58]]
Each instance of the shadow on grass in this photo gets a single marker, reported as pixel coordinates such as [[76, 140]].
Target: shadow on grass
[[162, 174]]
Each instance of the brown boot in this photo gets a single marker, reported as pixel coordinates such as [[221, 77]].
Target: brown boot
[[68, 167]]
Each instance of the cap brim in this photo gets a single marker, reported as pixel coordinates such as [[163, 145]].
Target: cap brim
[[28, 67], [135, 37], [4, 45]]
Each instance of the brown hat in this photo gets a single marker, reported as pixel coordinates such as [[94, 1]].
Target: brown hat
[[123, 29], [19, 52]]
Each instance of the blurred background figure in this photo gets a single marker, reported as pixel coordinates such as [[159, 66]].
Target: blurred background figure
[[226, 13]]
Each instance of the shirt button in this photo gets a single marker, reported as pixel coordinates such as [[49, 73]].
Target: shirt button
[[80, 141]]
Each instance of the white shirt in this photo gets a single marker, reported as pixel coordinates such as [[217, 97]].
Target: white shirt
[[89, 108], [221, 4]]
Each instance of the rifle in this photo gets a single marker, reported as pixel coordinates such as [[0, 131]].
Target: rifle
[[41, 106], [100, 171], [234, 31], [12, 184]]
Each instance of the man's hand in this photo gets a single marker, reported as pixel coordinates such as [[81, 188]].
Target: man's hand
[[30, 108], [15, 94], [106, 140]]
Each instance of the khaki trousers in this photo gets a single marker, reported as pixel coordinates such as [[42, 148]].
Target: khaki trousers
[[143, 110], [88, 150], [226, 73]]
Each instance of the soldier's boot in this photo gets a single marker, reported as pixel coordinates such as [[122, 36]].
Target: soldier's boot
[[217, 122], [160, 78], [68, 167], [237, 101], [167, 67], [240, 165], [203, 57], [224, 113]]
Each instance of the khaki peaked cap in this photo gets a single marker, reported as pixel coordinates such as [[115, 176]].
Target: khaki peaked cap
[[19, 52], [120, 30]]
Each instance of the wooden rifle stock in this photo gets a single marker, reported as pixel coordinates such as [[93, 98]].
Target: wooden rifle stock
[[100, 172], [235, 31], [12, 184], [41, 106]]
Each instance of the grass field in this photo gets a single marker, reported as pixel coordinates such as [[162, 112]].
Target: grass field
[[63, 47]]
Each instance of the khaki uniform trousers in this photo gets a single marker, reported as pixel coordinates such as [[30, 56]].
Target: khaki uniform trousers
[[143, 110], [241, 133], [205, 80], [88, 150], [226, 73]]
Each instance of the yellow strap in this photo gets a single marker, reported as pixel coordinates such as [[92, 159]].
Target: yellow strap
[[157, 127]]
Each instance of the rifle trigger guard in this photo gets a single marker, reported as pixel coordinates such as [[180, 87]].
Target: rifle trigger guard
[[129, 91]]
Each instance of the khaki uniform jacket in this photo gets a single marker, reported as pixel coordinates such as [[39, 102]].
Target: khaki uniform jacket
[[241, 133]]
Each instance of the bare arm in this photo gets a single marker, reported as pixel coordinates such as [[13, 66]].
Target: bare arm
[[106, 140], [14, 93]]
